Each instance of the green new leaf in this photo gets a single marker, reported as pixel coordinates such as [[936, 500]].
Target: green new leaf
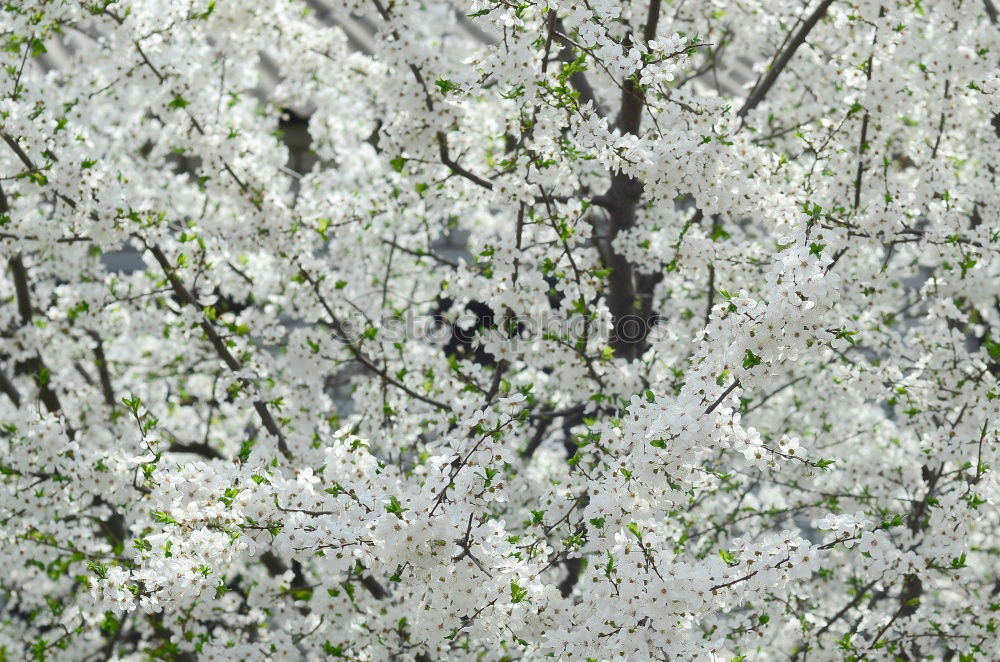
[[517, 593]]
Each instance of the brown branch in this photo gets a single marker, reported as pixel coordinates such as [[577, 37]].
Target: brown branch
[[498, 373], [577, 79], [197, 448], [710, 294], [863, 143], [30, 165], [61, 240], [159, 77], [536, 439], [419, 253], [991, 11], [456, 167], [774, 393], [376, 589], [633, 99], [337, 327], [101, 361], [621, 201], [760, 91], [862, 146], [725, 394], [940, 132], [21, 154], [34, 366], [20, 274], [266, 418], [7, 388]]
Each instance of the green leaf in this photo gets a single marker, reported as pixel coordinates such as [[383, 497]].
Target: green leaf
[[517, 594], [720, 380], [395, 507], [445, 85], [814, 211], [245, 449], [201, 16], [163, 518]]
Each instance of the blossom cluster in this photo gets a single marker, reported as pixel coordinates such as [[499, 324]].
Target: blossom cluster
[[491, 331]]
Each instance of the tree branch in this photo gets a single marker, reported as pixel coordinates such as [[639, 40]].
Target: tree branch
[[266, 418], [33, 366], [760, 91], [621, 201], [337, 327]]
